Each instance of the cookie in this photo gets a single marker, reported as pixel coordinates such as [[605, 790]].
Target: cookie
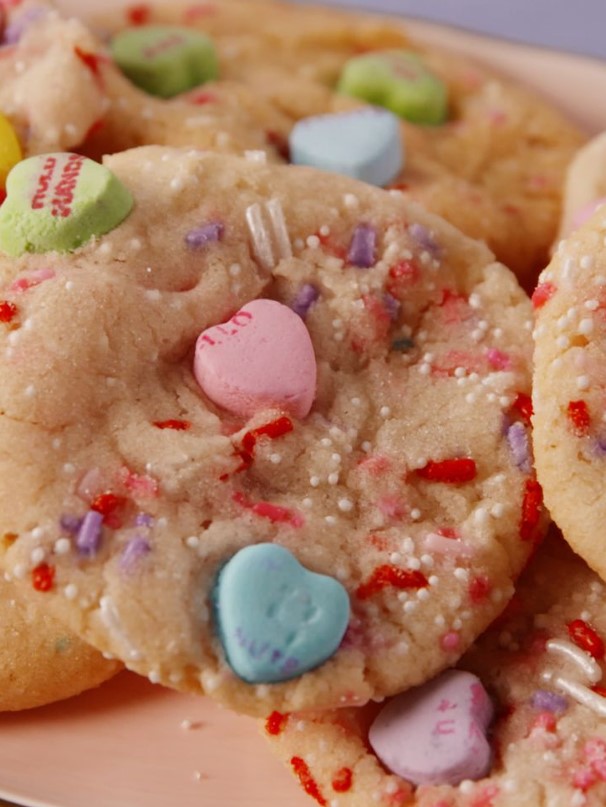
[[42, 662], [520, 723], [49, 87], [585, 188], [500, 153], [568, 392], [273, 380]]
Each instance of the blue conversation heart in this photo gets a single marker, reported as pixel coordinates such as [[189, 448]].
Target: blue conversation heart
[[276, 620], [364, 144]]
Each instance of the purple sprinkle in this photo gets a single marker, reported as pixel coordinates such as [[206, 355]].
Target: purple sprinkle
[[517, 439], [134, 550], [548, 701], [89, 534], [392, 306], [15, 29], [600, 446], [305, 298], [424, 239], [202, 236], [362, 248], [70, 524], [144, 520]]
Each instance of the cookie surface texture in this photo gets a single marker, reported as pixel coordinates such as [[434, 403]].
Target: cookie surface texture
[[409, 482], [542, 667], [41, 662], [569, 385]]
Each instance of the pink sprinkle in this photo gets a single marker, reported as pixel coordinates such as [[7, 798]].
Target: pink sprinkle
[[90, 485], [450, 640], [144, 486], [31, 280], [497, 359], [453, 547], [392, 507], [278, 514]]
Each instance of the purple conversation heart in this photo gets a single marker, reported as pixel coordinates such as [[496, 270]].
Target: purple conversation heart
[[435, 734]]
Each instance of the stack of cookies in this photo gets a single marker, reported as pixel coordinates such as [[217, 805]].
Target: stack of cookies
[[266, 395]]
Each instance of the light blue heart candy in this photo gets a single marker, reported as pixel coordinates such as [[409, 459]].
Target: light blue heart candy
[[276, 620], [364, 144]]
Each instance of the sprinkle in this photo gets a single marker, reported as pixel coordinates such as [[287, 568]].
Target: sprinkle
[[548, 701], [109, 505], [391, 576], [517, 440], [532, 506], [308, 783], [8, 311], [43, 577], [451, 471], [450, 640], [363, 245], [424, 239], [275, 723], [70, 524], [204, 235], [523, 406], [88, 539], [586, 638], [589, 666], [278, 222], [70, 591], [304, 299], [583, 382], [261, 238], [62, 546], [177, 425], [581, 694], [345, 505], [578, 415], [136, 549], [342, 780], [542, 294]]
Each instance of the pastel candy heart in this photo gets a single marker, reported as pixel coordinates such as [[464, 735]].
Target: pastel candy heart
[[10, 149], [276, 619], [165, 60], [365, 144], [436, 734], [399, 81], [58, 202], [262, 357]]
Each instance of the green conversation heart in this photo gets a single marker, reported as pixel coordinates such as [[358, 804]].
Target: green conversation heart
[[165, 60], [398, 81], [58, 202]]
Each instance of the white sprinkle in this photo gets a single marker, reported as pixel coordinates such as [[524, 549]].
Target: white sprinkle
[[193, 542], [20, 571], [70, 591], [153, 294], [186, 724], [333, 478], [69, 469], [592, 305], [410, 606], [585, 662], [336, 457], [366, 446], [62, 546], [307, 502], [385, 411], [460, 372], [235, 269], [330, 520], [154, 676], [413, 563], [587, 262], [312, 241], [30, 391], [326, 441], [497, 510], [461, 574], [275, 459], [415, 514], [37, 533], [563, 342], [135, 243], [349, 200], [427, 560], [255, 156], [345, 505], [314, 481], [586, 326], [474, 300], [583, 382], [37, 556], [355, 402], [423, 594], [433, 580], [176, 184], [439, 621]]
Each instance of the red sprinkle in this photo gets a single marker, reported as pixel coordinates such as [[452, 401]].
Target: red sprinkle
[[139, 14], [8, 311], [177, 425], [523, 406], [43, 577], [599, 690], [276, 723], [342, 780], [109, 505], [91, 60], [542, 294], [387, 575], [202, 97], [585, 637], [277, 428], [452, 472], [273, 512], [479, 589], [578, 415], [308, 783], [532, 505]]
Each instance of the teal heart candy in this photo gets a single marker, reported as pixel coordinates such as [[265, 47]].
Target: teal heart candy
[[275, 619], [399, 81], [365, 144]]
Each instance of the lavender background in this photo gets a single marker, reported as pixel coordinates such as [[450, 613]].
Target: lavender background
[[577, 26]]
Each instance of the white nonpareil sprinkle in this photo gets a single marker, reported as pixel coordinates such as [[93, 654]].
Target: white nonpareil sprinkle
[[345, 505]]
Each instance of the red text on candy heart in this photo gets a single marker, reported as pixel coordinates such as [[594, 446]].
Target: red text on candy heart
[[63, 192], [215, 336], [172, 41]]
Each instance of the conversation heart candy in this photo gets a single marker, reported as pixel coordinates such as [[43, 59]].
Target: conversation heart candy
[[364, 144], [399, 81], [276, 619], [165, 60], [435, 734], [262, 357], [10, 149], [58, 202]]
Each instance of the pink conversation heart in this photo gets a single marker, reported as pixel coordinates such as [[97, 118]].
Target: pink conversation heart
[[435, 734], [262, 357]]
